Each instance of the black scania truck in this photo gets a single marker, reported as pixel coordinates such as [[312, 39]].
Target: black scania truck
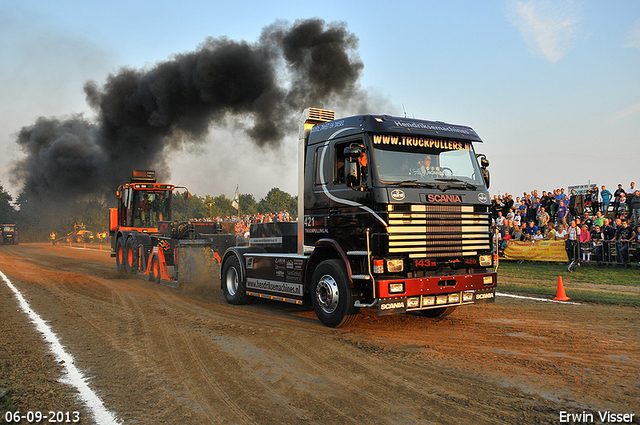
[[393, 214]]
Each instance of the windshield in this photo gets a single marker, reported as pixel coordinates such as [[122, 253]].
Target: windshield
[[428, 165], [149, 207]]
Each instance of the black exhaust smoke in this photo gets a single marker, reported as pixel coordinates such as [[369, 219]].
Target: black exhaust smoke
[[143, 115]]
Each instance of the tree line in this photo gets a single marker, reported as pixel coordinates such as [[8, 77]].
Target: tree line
[[36, 220]]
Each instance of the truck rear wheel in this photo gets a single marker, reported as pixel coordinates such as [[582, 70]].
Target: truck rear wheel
[[120, 245], [233, 287], [438, 312], [331, 296]]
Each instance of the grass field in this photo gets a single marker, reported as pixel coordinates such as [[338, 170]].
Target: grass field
[[589, 283]]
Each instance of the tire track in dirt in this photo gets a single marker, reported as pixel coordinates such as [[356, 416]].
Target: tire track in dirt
[[385, 376], [364, 389], [268, 352], [179, 361], [232, 346], [179, 355]]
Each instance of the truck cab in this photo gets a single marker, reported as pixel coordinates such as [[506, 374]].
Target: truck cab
[[394, 214]]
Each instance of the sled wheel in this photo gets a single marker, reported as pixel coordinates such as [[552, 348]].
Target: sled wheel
[[120, 253], [131, 255], [155, 268]]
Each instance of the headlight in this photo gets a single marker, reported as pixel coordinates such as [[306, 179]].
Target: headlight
[[396, 288], [442, 299], [454, 298], [395, 266], [428, 301], [485, 260], [413, 302]]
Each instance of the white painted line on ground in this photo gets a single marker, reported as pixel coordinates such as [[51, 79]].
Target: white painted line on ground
[[535, 299], [72, 375]]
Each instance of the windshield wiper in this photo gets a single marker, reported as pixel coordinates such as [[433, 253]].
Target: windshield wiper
[[460, 184], [414, 183]]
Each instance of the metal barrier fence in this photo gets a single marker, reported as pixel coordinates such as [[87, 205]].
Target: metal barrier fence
[[607, 253]]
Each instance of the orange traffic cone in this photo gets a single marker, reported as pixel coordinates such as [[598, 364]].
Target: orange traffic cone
[[561, 296], [85, 245]]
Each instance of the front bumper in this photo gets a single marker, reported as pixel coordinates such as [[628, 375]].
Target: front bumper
[[435, 292]]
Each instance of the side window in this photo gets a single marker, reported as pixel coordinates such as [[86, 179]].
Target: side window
[[317, 178], [338, 163]]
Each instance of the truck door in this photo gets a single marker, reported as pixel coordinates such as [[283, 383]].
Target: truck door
[[346, 216]]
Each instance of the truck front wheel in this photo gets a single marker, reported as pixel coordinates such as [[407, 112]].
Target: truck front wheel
[[233, 287], [331, 296]]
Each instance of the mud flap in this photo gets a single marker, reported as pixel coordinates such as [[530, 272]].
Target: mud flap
[[393, 305], [484, 295]]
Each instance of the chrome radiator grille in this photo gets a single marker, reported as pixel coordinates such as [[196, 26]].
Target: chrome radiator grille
[[438, 231]]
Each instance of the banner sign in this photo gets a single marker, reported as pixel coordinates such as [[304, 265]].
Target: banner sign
[[536, 251], [582, 188]]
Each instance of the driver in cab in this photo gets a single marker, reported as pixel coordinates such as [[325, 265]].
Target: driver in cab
[[362, 161], [425, 167]]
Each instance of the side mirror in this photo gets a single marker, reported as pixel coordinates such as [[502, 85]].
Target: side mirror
[[484, 164], [351, 166], [352, 173], [352, 152], [486, 177]]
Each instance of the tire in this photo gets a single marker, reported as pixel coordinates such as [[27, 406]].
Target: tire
[[120, 255], [145, 258], [438, 312], [154, 275], [233, 286], [331, 296], [131, 255]]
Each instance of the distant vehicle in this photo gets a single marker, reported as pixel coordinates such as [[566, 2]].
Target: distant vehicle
[[80, 234], [9, 234]]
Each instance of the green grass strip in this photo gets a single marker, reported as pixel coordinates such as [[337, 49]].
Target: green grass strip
[[541, 279]]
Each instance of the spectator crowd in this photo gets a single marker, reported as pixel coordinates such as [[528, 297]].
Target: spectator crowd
[[593, 224], [243, 223]]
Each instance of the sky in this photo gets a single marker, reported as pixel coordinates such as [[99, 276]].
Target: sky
[[552, 87]]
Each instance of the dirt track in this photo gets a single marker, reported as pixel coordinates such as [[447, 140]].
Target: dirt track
[[160, 355]]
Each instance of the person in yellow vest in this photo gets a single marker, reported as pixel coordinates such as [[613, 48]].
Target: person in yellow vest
[[52, 235]]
